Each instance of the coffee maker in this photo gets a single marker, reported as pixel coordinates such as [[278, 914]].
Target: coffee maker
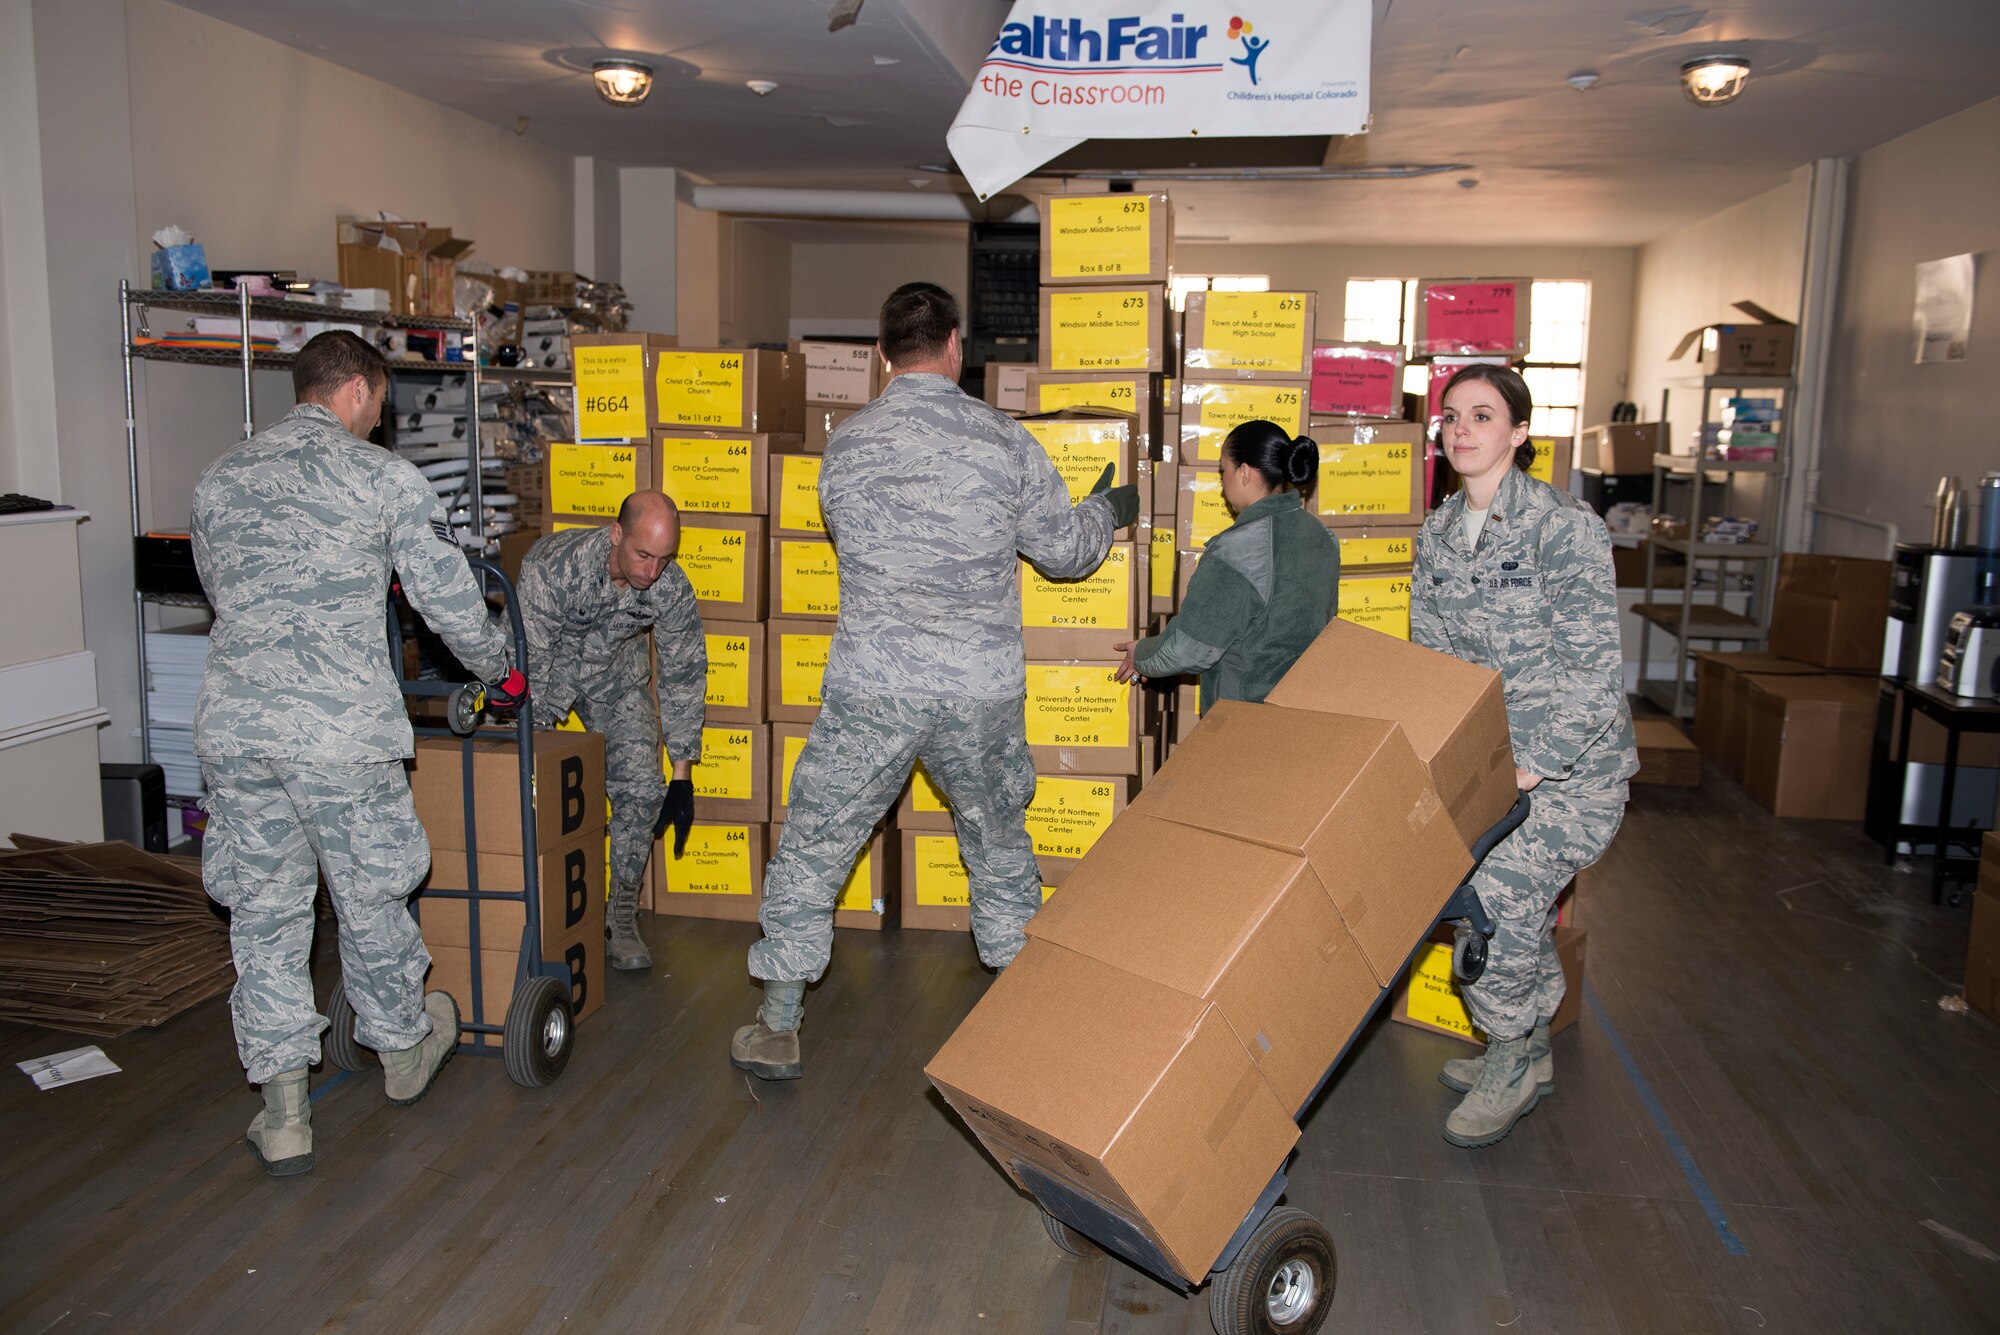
[[1929, 585]]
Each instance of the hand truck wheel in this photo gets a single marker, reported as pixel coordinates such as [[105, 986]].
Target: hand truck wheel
[[343, 1051], [539, 1033], [1468, 954], [464, 706], [1067, 1238], [1281, 1283]]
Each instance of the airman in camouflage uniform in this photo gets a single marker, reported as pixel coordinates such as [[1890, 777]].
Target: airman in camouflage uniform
[[588, 597], [1535, 599], [928, 494], [302, 732]]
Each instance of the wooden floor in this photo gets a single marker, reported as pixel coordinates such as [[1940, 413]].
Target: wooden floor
[[1775, 985]]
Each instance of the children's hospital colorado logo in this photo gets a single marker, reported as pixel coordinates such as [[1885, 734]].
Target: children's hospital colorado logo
[[1241, 30]]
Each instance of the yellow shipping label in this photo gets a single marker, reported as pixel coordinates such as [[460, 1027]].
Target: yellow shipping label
[[1079, 450], [1102, 331], [855, 892], [1101, 600], [1047, 890], [706, 474], [790, 749], [1253, 331], [725, 769], [591, 479], [610, 392], [941, 878], [808, 578], [797, 500], [729, 669], [1434, 995], [717, 862], [714, 560], [1210, 513], [1100, 238], [571, 723], [1118, 396], [1380, 602], [1067, 816], [560, 525], [1075, 705], [1399, 551], [699, 388], [1163, 558], [1544, 467], [1372, 479], [1211, 412], [801, 667]]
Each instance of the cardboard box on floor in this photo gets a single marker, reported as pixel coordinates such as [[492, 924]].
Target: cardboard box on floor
[[1806, 745], [729, 389], [1137, 1095], [1429, 997], [1451, 711], [1666, 756], [1831, 611], [736, 672], [1721, 679], [719, 875], [1982, 956], [568, 797]]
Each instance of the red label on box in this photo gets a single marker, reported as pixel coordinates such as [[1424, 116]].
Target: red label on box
[[1468, 317], [1356, 381]]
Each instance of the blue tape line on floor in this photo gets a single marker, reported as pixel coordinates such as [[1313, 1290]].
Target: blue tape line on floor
[[328, 1086], [1689, 1169]]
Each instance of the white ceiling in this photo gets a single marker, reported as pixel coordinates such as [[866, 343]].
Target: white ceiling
[[1471, 81]]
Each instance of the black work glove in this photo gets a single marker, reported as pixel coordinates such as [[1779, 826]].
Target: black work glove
[[508, 694], [1124, 500], [677, 811]]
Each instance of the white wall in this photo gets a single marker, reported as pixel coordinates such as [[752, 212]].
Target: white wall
[[27, 364], [645, 212], [838, 287], [1891, 426]]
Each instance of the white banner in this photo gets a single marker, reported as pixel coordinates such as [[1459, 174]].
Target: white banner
[[1063, 71]]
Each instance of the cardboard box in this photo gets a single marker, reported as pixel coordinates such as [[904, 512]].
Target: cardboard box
[[788, 740], [934, 888], [1139, 1096], [1429, 997], [1378, 547], [1162, 568], [805, 579], [1982, 956], [568, 797], [1459, 317], [1451, 711], [839, 374], [1097, 239], [571, 885], [821, 423], [589, 482], [1767, 346], [1104, 328], [1621, 447], [1087, 617], [1666, 755], [1081, 441], [729, 389], [613, 378], [1721, 680], [1200, 510], [732, 780], [1347, 794], [1378, 600], [1211, 409], [1007, 385], [720, 875], [794, 493], [736, 672], [1357, 380], [1249, 335], [1066, 817], [1130, 393], [718, 472], [796, 658], [1080, 720], [1371, 475], [1553, 456], [582, 955], [723, 557], [1806, 745], [1831, 611], [1272, 954]]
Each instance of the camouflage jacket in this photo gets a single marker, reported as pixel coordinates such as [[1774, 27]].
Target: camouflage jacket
[[928, 494], [1537, 602], [295, 533], [587, 636]]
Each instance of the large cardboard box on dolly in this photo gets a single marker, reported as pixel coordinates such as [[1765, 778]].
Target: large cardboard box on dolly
[[568, 796], [1831, 611], [1982, 956], [1096, 239], [1135, 1095], [729, 389], [1451, 711], [1430, 997], [1806, 745], [1721, 680]]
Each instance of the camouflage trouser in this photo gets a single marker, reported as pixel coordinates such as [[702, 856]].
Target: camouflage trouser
[[272, 825], [854, 763], [633, 777], [1518, 883]]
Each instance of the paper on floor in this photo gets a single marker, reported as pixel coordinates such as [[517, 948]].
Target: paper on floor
[[66, 1068]]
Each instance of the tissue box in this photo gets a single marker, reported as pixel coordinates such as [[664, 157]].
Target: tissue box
[[180, 268]]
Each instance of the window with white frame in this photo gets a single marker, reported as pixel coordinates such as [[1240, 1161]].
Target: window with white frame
[[1184, 283]]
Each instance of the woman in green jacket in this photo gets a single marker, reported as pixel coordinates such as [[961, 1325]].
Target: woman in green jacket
[[1266, 586]]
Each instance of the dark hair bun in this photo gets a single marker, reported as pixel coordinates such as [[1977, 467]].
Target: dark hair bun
[[1303, 463], [1524, 455]]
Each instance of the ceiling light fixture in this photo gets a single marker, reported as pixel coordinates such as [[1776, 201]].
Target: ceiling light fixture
[[1714, 80], [1584, 80], [761, 87], [623, 83]]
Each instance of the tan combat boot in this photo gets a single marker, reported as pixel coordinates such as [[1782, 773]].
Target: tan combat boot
[[622, 945], [282, 1135], [407, 1075], [1503, 1094], [769, 1049], [1462, 1073]]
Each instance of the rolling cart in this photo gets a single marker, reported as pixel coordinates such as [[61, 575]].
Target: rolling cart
[[536, 1032], [1275, 1275]]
